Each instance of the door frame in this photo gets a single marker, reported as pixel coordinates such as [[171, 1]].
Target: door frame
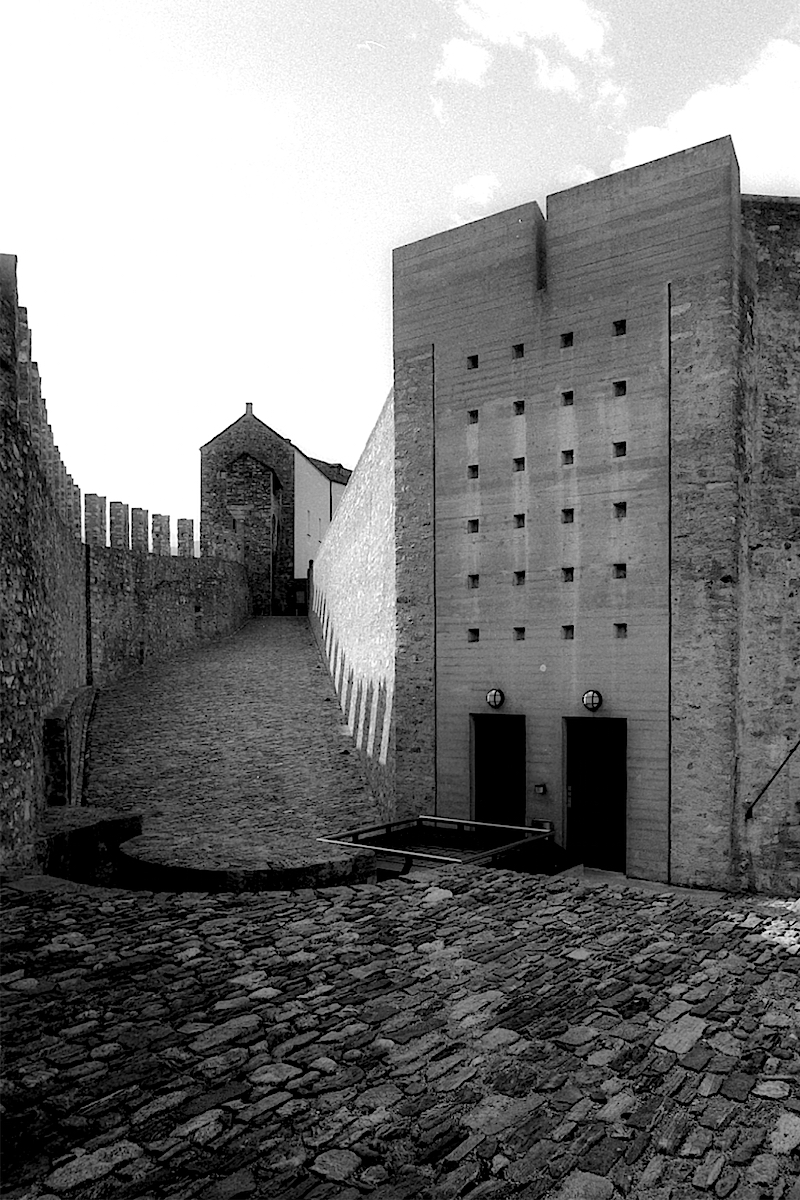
[[564, 775], [472, 748]]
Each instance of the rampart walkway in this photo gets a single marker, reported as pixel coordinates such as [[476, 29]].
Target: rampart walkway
[[238, 758]]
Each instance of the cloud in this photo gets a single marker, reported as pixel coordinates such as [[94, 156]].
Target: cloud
[[579, 28], [462, 60], [477, 191], [554, 78], [437, 104], [759, 111], [611, 93]]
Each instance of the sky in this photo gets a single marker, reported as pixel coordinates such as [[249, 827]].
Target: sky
[[204, 195]]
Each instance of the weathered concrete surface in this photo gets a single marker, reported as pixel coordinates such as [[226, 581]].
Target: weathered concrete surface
[[476, 1034], [238, 759]]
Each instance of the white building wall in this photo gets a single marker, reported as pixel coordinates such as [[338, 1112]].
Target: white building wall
[[312, 511]]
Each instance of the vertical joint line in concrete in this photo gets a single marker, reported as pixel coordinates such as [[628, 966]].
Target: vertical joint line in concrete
[[669, 582], [87, 577], [435, 617]]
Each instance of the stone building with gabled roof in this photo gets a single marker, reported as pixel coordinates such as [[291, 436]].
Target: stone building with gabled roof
[[268, 505]]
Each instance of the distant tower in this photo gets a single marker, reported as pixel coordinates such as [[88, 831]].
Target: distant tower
[[266, 504]]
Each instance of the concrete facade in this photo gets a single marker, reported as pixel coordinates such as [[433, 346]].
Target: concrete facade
[[596, 465], [267, 505]]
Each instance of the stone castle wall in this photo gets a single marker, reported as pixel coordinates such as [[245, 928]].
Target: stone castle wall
[[768, 667], [352, 607], [70, 612]]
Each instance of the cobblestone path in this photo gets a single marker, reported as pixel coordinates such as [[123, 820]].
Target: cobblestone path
[[473, 1034], [235, 754]]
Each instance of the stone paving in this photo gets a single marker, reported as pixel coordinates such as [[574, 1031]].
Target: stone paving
[[473, 1033], [235, 754]]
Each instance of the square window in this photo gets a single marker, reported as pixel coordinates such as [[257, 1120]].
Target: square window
[[567, 398], [620, 387], [620, 510], [518, 351], [473, 635], [472, 416], [567, 516], [567, 458], [473, 581], [519, 464], [519, 408], [568, 632], [519, 633], [620, 328], [620, 449], [620, 570], [519, 520], [621, 630], [567, 340], [472, 362], [472, 471], [567, 574], [473, 525], [519, 578]]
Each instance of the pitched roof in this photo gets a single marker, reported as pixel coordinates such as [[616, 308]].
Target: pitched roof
[[333, 471]]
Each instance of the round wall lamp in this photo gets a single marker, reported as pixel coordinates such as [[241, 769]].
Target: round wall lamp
[[592, 700], [495, 698]]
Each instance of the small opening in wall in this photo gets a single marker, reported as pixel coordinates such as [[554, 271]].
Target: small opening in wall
[[519, 408], [519, 520], [472, 416], [519, 633], [620, 449], [567, 516], [620, 630], [472, 362], [473, 635], [567, 574], [473, 581], [473, 525], [620, 328], [567, 458], [472, 471], [519, 464], [567, 340], [568, 632], [620, 570], [567, 398], [620, 510], [620, 387], [519, 578], [518, 351]]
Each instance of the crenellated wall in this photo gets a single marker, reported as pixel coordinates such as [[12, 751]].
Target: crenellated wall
[[74, 613], [352, 608]]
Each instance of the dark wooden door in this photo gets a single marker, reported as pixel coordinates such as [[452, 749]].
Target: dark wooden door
[[498, 768], [596, 781]]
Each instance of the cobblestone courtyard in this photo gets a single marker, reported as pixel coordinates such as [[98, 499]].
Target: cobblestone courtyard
[[236, 755], [467, 1033], [478, 1034]]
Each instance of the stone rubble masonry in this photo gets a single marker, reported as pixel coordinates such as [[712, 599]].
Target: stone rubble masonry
[[247, 487], [768, 716], [161, 544], [42, 589], [95, 519], [352, 604], [120, 528], [69, 612], [185, 538], [140, 530]]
